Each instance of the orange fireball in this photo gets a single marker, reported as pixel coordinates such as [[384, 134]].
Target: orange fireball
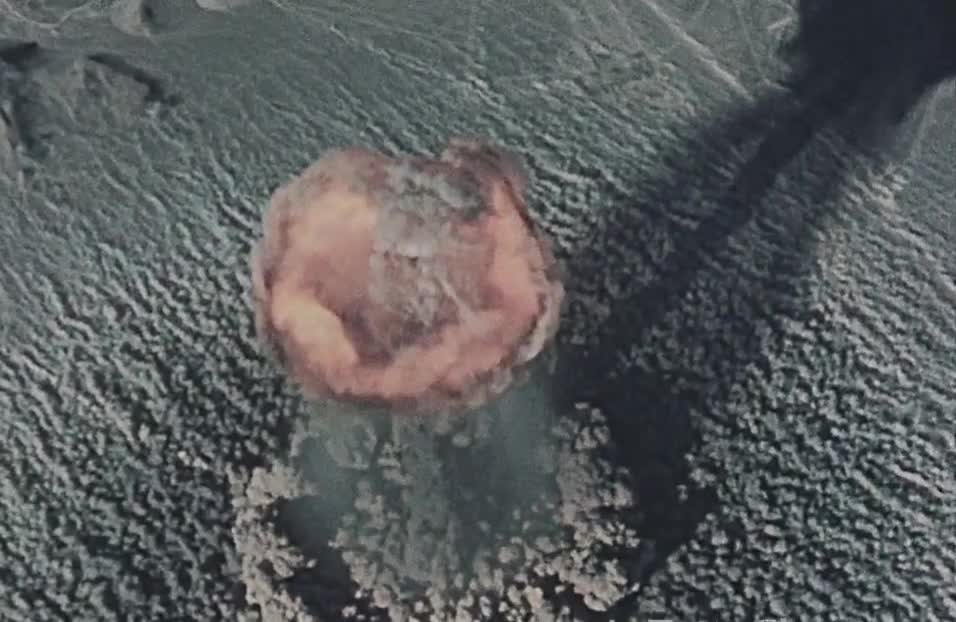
[[414, 283]]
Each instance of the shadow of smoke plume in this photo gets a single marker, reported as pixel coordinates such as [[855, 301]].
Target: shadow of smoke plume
[[849, 61]]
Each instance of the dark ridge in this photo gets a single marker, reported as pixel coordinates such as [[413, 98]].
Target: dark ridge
[[18, 53], [156, 91]]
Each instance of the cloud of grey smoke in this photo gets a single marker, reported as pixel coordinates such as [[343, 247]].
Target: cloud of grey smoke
[[514, 512]]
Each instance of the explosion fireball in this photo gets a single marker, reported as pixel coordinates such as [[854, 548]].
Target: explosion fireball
[[414, 283]]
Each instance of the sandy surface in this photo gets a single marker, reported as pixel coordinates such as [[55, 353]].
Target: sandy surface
[[751, 413]]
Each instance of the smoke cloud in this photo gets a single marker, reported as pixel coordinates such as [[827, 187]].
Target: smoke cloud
[[414, 283]]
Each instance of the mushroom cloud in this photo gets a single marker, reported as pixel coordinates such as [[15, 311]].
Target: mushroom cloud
[[415, 283]]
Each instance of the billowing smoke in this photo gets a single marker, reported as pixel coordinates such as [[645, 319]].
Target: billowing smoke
[[413, 283]]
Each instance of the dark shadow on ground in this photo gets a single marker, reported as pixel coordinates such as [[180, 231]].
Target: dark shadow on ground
[[859, 67], [324, 586], [869, 62]]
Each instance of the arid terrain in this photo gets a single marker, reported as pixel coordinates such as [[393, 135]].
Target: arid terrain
[[750, 409]]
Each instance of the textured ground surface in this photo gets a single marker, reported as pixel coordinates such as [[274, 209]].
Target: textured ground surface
[[752, 411]]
